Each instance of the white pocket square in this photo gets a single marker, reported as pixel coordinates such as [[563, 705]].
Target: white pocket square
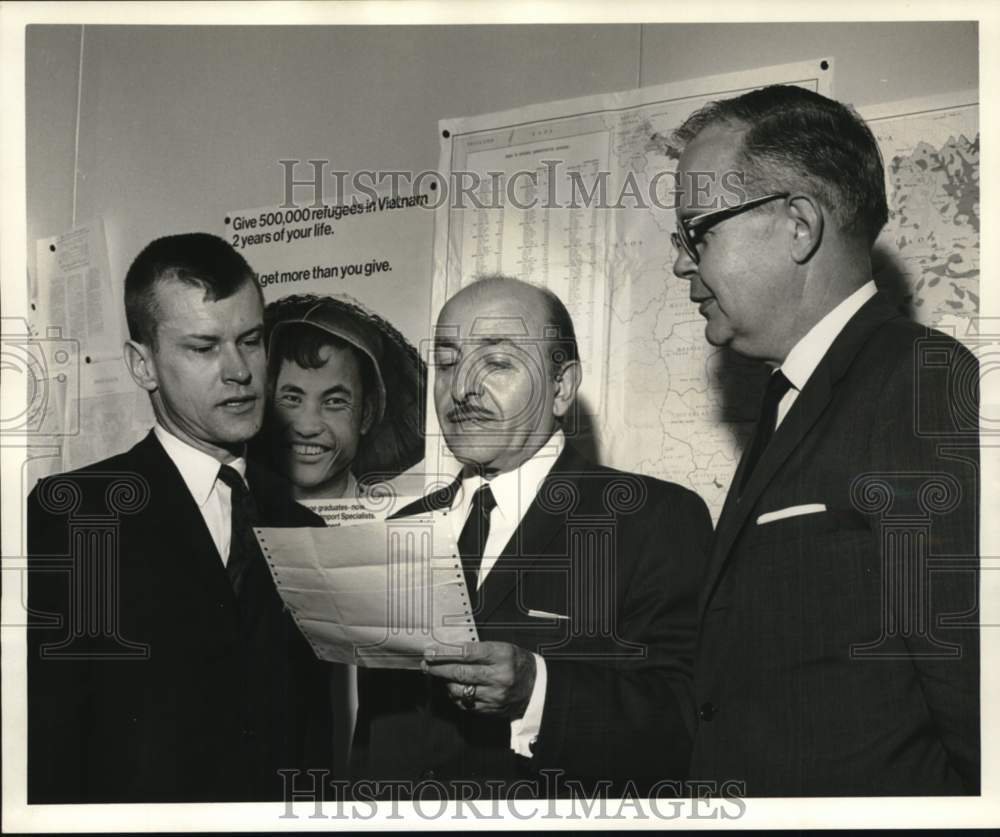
[[790, 511], [544, 614]]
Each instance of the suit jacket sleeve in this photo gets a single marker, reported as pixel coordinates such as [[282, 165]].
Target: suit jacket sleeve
[[924, 446], [634, 716]]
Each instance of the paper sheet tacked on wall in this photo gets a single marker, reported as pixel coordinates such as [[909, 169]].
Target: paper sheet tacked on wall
[[76, 296], [86, 404], [375, 594]]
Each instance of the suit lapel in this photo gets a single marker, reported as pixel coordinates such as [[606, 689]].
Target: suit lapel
[[805, 412], [435, 501], [180, 523], [544, 520], [808, 407]]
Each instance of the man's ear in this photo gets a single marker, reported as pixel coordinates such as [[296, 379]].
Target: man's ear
[[808, 220], [141, 365], [567, 383]]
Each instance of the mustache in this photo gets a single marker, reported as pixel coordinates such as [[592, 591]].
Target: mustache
[[244, 395], [468, 413]]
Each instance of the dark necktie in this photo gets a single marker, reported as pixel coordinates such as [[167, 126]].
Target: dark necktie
[[777, 386], [472, 541], [243, 547]]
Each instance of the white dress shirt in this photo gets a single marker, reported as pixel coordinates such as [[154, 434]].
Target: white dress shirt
[[805, 355], [200, 473], [514, 492]]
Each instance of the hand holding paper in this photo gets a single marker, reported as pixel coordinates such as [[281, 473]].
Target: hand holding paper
[[503, 676]]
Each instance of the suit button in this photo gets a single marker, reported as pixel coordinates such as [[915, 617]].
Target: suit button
[[707, 711], [428, 774]]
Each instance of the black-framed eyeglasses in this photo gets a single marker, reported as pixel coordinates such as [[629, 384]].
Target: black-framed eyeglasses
[[690, 230]]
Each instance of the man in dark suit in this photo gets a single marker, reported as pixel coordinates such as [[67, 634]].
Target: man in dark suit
[[838, 650], [583, 583], [162, 666]]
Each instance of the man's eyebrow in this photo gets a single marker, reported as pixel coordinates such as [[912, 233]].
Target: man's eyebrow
[[496, 341], [478, 340], [335, 389], [291, 388], [215, 338]]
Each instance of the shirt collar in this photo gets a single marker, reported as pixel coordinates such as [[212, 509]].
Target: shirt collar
[[805, 355], [198, 469], [514, 491]]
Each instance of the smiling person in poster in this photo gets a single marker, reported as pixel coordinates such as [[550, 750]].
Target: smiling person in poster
[[838, 651], [345, 396], [582, 582]]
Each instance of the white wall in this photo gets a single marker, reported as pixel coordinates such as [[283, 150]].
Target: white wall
[[874, 62], [51, 73]]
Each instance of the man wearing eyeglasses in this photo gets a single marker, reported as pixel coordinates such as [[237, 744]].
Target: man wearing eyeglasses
[[838, 650]]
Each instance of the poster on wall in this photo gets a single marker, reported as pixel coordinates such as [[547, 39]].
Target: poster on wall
[[346, 288]]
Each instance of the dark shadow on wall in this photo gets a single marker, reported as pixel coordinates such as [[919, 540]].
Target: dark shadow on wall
[[580, 428], [739, 385], [890, 275]]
